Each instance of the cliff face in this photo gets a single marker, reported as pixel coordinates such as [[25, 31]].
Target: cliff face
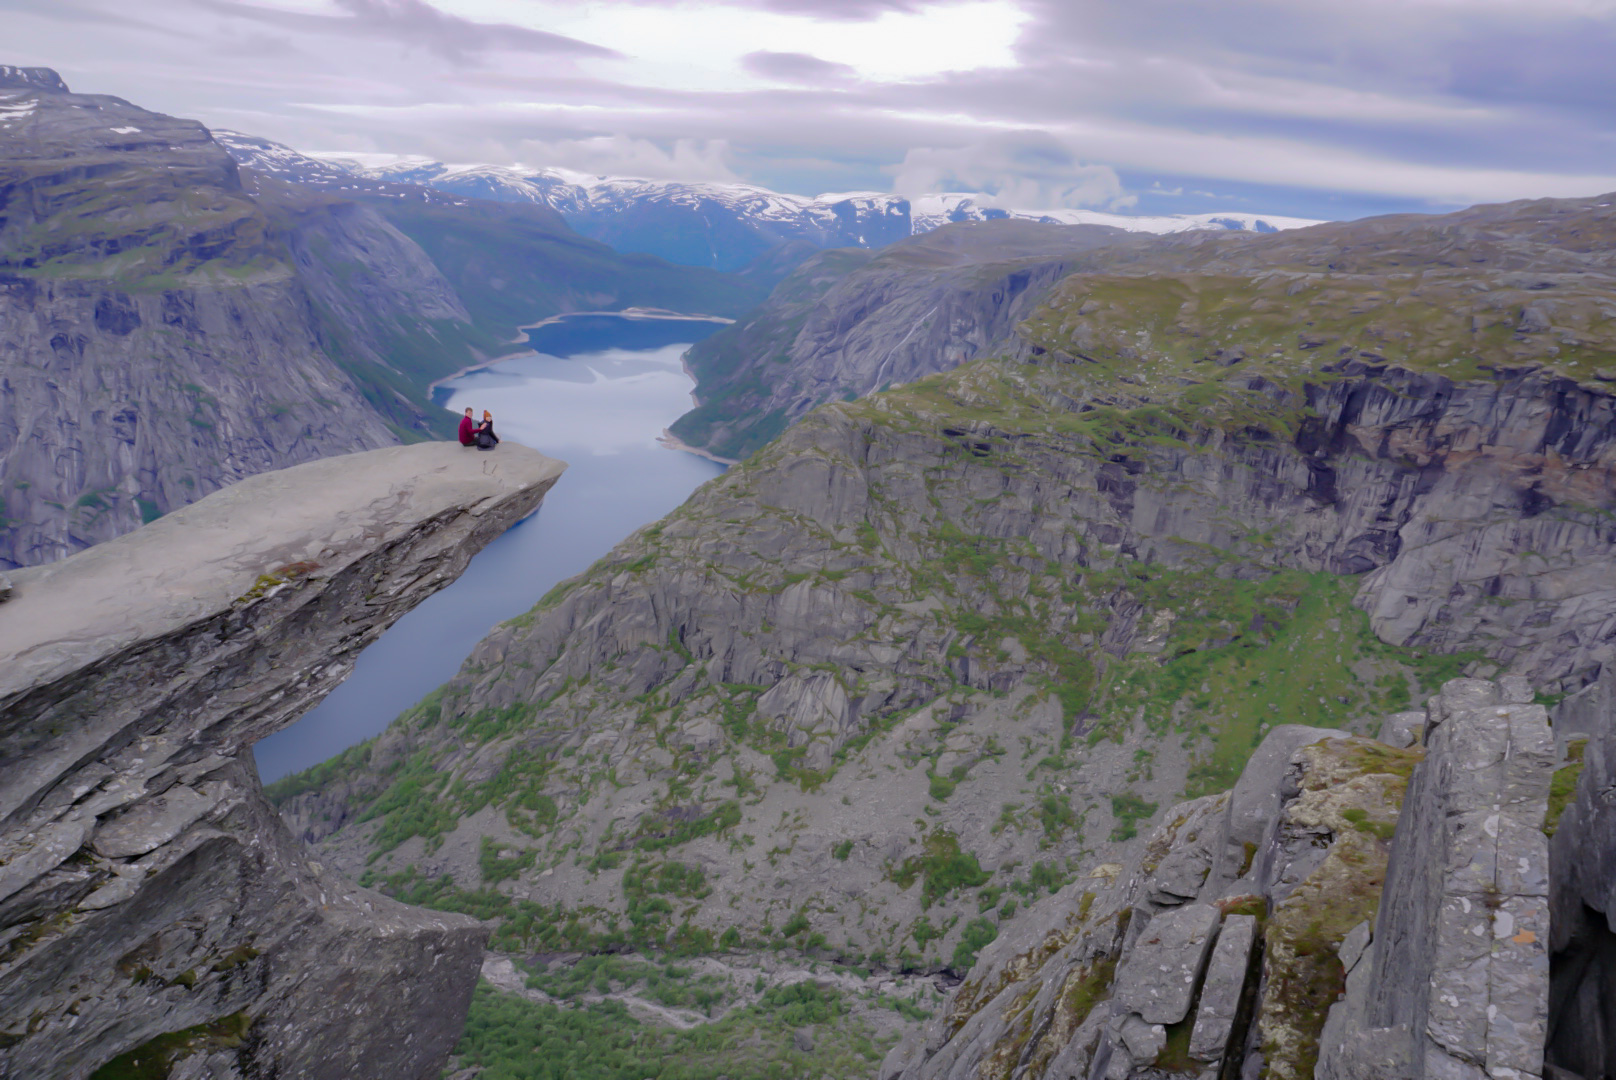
[[154, 913], [934, 652], [892, 682], [1520, 283], [1412, 880], [158, 342]]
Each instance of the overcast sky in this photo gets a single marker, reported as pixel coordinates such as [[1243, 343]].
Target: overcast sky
[[1320, 108]]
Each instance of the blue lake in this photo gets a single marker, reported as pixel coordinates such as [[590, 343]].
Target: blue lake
[[596, 393]]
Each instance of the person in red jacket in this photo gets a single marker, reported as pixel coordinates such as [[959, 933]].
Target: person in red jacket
[[468, 430]]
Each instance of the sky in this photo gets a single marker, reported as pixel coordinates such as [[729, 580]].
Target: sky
[[1313, 108]]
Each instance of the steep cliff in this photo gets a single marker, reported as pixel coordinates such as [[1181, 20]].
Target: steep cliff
[[878, 692], [159, 341], [155, 916], [963, 638]]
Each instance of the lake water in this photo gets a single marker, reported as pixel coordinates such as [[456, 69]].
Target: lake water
[[596, 394]]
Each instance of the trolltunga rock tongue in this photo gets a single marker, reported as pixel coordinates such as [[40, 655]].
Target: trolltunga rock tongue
[[151, 901]]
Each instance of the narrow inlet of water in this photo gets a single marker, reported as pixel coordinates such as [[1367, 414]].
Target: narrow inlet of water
[[596, 393]]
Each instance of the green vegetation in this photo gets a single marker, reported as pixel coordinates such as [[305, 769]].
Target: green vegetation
[[497, 866], [977, 935], [603, 1042], [665, 984], [155, 1059], [942, 867], [1129, 810], [1362, 794], [1563, 785], [654, 836]]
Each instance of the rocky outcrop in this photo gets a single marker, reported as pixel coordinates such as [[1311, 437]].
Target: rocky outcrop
[[888, 684], [1521, 284], [1455, 982], [1354, 886], [156, 342], [971, 628], [153, 909]]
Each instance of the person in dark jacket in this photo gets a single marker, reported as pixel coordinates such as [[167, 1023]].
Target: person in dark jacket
[[468, 430], [486, 439]]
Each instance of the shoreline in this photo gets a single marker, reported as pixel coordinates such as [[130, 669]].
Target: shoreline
[[521, 338], [673, 442]]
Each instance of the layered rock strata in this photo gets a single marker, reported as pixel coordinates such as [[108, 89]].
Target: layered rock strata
[[153, 909], [1211, 957]]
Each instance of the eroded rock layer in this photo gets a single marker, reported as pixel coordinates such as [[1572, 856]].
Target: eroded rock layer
[[153, 908]]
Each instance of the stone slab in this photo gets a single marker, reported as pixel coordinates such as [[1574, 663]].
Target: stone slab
[[184, 566], [1158, 979], [1220, 991]]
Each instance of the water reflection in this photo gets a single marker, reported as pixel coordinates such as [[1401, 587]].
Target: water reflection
[[600, 408]]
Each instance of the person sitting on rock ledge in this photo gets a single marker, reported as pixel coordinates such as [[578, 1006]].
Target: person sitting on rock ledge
[[486, 439], [468, 429]]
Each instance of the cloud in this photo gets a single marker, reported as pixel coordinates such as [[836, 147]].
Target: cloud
[[796, 67], [842, 10], [414, 23], [1294, 106], [619, 155], [1025, 171]]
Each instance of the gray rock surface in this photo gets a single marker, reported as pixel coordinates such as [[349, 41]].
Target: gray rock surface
[[1221, 990], [850, 321], [873, 611], [1158, 979], [156, 349], [1460, 951], [1088, 988], [1255, 801], [146, 887], [1403, 729]]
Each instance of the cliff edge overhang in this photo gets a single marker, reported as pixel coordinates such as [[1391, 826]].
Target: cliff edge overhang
[[151, 902]]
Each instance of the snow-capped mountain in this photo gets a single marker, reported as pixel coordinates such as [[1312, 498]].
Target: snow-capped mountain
[[724, 226], [932, 211]]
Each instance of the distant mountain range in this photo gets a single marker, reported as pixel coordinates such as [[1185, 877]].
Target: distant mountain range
[[724, 226]]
